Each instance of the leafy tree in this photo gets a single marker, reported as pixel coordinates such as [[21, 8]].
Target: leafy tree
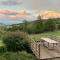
[[50, 25], [39, 17], [25, 22]]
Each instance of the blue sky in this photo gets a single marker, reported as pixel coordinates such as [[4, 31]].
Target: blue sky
[[9, 22], [30, 4]]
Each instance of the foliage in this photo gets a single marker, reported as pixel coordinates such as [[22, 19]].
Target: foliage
[[50, 25], [37, 26], [17, 41], [17, 56], [3, 49], [55, 35]]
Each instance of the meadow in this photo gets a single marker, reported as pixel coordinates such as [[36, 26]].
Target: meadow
[[53, 35]]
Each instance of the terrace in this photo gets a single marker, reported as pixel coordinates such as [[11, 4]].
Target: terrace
[[46, 49]]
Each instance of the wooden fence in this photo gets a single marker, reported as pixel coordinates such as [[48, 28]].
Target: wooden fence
[[35, 47]]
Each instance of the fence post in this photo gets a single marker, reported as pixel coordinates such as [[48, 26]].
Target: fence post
[[39, 50]]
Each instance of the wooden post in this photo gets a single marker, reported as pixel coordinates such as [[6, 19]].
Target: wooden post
[[36, 48], [39, 50], [48, 45], [53, 45], [33, 47], [56, 43], [43, 43]]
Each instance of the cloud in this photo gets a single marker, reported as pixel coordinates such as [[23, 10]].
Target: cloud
[[42, 4], [11, 2], [14, 15], [30, 4], [8, 12]]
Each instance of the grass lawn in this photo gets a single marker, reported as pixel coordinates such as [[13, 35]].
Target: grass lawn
[[53, 35], [1, 43]]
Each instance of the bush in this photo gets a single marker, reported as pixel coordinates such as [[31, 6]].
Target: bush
[[2, 49], [17, 56], [16, 41]]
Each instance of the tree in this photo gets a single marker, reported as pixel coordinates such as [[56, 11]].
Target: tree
[[25, 25], [39, 27], [39, 17], [50, 25]]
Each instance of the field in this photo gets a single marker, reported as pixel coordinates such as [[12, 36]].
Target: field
[[54, 35], [1, 43]]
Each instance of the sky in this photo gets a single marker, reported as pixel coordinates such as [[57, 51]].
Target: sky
[[30, 4]]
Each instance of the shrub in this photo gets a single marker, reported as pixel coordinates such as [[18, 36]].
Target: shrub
[[17, 56], [17, 41], [2, 49]]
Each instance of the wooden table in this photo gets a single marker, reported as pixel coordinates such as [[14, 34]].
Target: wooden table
[[50, 41]]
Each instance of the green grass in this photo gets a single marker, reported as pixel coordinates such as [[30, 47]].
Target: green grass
[[53, 35], [1, 43]]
